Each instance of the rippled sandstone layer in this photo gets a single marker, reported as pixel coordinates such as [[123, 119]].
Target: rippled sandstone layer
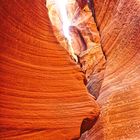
[[119, 97], [42, 90], [85, 39]]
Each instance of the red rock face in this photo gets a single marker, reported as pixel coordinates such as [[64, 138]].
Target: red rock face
[[43, 95], [119, 99], [42, 91], [85, 40]]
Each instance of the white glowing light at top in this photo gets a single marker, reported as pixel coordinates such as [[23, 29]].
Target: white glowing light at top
[[61, 5], [63, 11]]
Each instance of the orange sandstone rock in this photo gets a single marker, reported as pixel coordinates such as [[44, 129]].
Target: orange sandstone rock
[[85, 40], [119, 99], [42, 91]]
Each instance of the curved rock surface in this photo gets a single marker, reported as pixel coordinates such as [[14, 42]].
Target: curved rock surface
[[85, 40], [42, 90], [119, 97], [43, 95]]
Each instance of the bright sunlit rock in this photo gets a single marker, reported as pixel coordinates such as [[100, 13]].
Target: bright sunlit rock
[[66, 23]]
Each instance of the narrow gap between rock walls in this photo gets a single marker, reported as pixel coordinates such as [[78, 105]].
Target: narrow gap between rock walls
[[75, 27], [72, 22]]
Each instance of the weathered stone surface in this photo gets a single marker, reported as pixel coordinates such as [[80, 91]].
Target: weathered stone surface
[[85, 40], [42, 93], [42, 90], [119, 99]]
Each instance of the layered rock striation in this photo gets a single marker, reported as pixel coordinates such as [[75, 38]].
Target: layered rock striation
[[42, 93], [119, 97], [85, 39]]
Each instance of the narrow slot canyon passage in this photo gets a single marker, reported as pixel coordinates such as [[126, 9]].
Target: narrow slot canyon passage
[[74, 25], [69, 70], [75, 28]]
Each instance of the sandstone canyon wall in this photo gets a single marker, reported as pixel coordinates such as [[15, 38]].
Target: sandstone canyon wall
[[42, 90], [119, 97], [43, 95], [84, 39]]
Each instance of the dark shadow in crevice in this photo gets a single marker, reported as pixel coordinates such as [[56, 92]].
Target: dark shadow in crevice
[[87, 124], [75, 138]]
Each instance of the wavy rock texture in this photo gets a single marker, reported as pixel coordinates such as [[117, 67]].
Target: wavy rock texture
[[85, 40], [119, 99], [42, 91]]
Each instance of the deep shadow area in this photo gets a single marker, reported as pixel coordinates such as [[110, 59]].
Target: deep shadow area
[[87, 124]]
